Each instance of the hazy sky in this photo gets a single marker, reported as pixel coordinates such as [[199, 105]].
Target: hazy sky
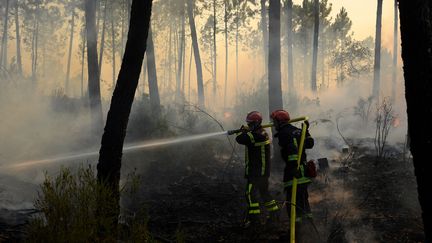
[[363, 16]]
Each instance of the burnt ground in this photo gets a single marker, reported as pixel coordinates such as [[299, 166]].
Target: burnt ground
[[356, 200]]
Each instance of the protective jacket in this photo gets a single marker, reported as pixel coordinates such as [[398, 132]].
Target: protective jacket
[[257, 152], [289, 141]]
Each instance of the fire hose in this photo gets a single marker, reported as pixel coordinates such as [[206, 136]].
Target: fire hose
[[245, 127]]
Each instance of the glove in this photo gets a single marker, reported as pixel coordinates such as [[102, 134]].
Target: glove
[[243, 128], [307, 124], [297, 174]]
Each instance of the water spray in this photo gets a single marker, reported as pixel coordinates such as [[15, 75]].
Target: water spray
[[126, 148], [130, 147]]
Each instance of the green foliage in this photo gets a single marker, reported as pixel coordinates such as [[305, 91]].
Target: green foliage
[[342, 24], [68, 210], [180, 235], [352, 59]]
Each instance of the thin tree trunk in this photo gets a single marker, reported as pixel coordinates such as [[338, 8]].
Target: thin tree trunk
[[237, 47], [102, 42], [264, 29], [122, 29], [274, 65], [98, 15], [290, 48], [184, 67], [44, 58], [377, 59], [93, 67], [315, 46], [416, 37], [189, 73], [180, 55], [113, 49], [152, 75], [18, 39], [200, 84], [70, 52], [305, 57], [35, 45], [214, 50], [3, 55], [168, 81], [144, 73], [83, 36], [323, 55], [110, 153], [395, 51], [226, 53]]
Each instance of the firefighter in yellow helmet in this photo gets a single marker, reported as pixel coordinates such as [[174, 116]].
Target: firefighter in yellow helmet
[[257, 170]]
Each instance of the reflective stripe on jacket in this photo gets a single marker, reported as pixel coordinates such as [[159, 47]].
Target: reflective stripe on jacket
[[289, 138], [257, 152]]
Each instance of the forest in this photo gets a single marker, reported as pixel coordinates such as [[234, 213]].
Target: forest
[[120, 120]]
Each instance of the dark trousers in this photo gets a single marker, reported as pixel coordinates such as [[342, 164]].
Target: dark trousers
[[259, 186], [302, 201]]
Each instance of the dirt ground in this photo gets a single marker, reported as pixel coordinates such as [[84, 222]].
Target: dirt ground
[[356, 200]]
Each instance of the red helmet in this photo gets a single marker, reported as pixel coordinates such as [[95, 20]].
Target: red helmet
[[280, 116], [254, 116]]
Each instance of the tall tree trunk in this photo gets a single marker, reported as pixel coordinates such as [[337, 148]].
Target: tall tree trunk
[[226, 51], [290, 48], [377, 59], [306, 47], [200, 84], [274, 65], [416, 36], [122, 28], [169, 55], [3, 55], [184, 67], [110, 153], [152, 76], [144, 74], [18, 39], [93, 67], [265, 32], [323, 56], [35, 45], [98, 15], [102, 42], [237, 46], [214, 50], [315, 46], [83, 36], [180, 55], [44, 58], [395, 50], [189, 73], [70, 51], [113, 48]]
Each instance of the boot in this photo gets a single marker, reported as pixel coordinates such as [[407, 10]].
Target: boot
[[273, 220], [252, 222]]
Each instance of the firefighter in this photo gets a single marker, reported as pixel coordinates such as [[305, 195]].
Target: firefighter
[[289, 139], [257, 170]]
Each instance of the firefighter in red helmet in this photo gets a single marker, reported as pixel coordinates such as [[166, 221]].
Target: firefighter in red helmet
[[289, 139], [257, 170]]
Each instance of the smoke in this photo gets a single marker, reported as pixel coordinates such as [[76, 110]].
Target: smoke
[[34, 126]]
